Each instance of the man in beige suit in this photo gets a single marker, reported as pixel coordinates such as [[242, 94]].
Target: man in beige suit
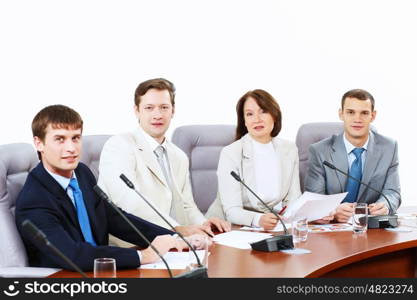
[[157, 168]]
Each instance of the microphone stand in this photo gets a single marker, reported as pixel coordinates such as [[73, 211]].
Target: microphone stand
[[34, 231], [104, 196], [385, 221], [200, 271], [276, 243]]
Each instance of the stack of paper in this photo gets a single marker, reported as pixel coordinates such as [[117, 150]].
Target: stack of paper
[[27, 272], [240, 239], [277, 228], [176, 260]]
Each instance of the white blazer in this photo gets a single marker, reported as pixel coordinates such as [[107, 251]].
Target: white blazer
[[131, 155], [235, 202]]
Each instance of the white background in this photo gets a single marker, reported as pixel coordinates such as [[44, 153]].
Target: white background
[[91, 55]]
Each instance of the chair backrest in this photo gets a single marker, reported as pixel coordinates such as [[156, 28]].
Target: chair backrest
[[16, 160], [311, 133], [202, 144], [92, 146]]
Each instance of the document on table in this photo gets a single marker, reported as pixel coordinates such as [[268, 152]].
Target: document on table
[[277, 228], [240, 239], [27, 272], [175, 260], [313, 206]]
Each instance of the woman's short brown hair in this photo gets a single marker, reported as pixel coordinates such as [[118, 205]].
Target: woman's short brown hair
[[157, 83], [267, 103]]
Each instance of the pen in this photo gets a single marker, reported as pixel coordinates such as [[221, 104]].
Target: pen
[[282, 210]]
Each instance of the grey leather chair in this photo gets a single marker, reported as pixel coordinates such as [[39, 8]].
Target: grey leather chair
[[202, 144], [92, 146], [16, 160], [311, 133]]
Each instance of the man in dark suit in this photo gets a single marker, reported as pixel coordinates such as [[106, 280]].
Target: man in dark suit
[[58, 198], [364, 154]]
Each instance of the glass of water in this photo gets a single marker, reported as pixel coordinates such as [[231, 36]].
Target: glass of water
[[104, 268], [360, 218], [299, 230]]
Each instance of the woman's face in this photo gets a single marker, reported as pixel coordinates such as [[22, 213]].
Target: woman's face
[[258, 122]]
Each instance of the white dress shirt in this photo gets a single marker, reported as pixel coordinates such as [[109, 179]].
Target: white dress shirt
[[350, 156]]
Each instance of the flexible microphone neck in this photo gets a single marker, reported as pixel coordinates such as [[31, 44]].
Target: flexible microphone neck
[[237, 177], [104, 196], [329, 165], [132, 186], [38, 235]]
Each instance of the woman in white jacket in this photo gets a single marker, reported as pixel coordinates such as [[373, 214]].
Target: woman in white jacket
[[266, 163]]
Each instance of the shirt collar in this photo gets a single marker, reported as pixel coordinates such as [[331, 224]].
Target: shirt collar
[[63, 181], [349, 147], [153, 144]]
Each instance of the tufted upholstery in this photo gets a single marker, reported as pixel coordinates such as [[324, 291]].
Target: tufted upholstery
[[16, 160], [202, 144]]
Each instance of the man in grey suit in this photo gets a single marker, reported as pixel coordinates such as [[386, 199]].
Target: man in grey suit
[[361, 152]]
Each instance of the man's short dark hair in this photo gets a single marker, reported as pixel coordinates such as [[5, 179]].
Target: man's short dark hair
[[360, 95]]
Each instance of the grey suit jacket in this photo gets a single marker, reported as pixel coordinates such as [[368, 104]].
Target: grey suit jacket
[[380, 170]]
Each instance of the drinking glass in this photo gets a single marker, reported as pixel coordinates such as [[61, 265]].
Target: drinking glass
[[300, 230], [360, 218], [104, 268]]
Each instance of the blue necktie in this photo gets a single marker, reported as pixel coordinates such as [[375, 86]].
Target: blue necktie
[[352, 186], [82, 212]]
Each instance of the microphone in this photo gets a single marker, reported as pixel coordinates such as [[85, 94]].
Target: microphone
[[276, 243], [38, 235], [104, 196], [200, 271], [386, 221]]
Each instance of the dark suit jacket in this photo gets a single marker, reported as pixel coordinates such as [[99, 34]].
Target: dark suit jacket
[[44, 202], [380, 170]]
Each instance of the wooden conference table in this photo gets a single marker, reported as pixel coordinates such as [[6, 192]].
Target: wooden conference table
[[378, 253]]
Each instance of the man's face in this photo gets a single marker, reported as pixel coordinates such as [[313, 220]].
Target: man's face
[[60, 150], [357, 116], [155, 112]]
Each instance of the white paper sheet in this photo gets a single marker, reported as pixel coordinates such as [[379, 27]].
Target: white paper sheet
[[277, 228], [240, 239], [27, 272], [175, 260], [399, 229], [313, 206]]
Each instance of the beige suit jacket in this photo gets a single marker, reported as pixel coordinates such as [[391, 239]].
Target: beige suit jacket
[[233, 200], [131, 155]]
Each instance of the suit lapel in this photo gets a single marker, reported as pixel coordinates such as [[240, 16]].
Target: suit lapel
[[174, 164], [283, 166], [373, 155], [248, 172], [338, 157], [90, 204], [59, 193], [149, 157]]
